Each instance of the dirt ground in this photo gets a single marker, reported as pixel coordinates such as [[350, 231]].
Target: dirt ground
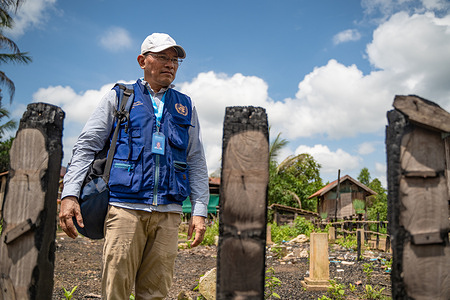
[[78, 263]]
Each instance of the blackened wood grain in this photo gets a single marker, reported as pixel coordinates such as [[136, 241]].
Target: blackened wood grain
[[243, 204], [29, 211]]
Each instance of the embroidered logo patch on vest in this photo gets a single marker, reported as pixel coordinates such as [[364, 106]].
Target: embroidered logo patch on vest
[[181, 109]]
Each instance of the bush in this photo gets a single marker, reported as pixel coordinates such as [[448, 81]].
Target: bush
[[287, 232], [303, 226], [349, 242], [212, 231]]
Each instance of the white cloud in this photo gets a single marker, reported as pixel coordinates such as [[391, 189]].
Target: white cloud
[[366, 148], [348, 35], [212, 93], [30, 14], [116, 39], [331, 161], [436, 4], [77, 106], [415, 52], [380, 168], [381, 10], [410, 53], [380, 173]]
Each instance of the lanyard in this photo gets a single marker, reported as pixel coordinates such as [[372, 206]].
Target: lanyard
[[158, 109]]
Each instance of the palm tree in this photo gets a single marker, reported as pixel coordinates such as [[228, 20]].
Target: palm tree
[[275, 147], [9, 125], [15, 56]]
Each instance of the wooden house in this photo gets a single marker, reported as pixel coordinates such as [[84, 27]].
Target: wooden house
[[350, 190]]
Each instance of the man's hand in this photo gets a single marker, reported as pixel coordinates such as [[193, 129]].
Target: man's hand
[[70, 208], [197, 224]]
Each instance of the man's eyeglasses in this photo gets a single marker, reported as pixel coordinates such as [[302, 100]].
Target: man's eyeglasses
[[164, 58]]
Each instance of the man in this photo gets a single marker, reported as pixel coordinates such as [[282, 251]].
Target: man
[[147, 183]]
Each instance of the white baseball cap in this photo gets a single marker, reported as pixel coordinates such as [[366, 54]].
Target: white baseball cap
[[158, 42]]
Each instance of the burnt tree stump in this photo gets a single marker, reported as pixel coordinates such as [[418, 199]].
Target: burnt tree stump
[[243, 204], [27, 247], [417, 146]]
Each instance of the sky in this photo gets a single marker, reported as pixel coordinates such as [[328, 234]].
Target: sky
[[326, 71]]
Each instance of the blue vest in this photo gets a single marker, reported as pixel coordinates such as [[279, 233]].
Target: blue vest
[[140, 176]]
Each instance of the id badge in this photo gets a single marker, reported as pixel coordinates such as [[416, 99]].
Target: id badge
[[158, 143]]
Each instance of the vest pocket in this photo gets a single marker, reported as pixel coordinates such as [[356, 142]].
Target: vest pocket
[[181, 188], [126, 171], [179, 132]]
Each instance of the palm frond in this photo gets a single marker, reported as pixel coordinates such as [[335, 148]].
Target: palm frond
[[5, 19], [20, 57], [4, 80], [8, 44], [11, 4], [275, 147]]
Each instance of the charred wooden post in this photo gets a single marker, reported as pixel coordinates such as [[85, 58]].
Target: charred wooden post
[[27, 246], [418, 192], [378, 231], [359, 243], [243, 204]]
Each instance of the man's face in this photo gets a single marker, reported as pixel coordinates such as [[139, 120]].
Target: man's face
[[159, 70]]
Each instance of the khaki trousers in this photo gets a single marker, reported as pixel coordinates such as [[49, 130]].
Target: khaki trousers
[[139, 251]]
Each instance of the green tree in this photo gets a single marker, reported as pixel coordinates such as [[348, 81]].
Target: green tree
[[12, 54], [364, 176], [275, 147], [293, 180], [377, 203], [9, 125], [5, 146]]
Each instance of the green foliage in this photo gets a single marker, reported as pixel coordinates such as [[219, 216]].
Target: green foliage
[[359, 206], [212, 231], [14, 55], [388, 263], [349, 242], [132, 297], [68, 294], [368, 270], [325, 230], [271, 282], [5, 147], [352, 288], [282, 233], [275, 147], [377, 203], [336, 291], [287, 232], [364, 176], [373, 293], [303, 226], [293, 181]]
